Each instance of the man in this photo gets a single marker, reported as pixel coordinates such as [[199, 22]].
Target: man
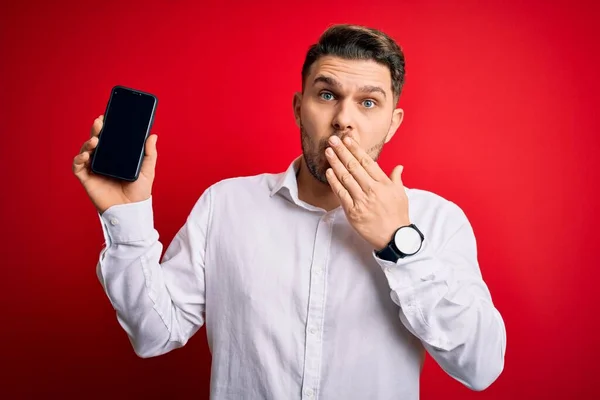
[[328, 281]]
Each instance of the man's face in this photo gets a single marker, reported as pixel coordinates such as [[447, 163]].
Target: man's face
[[344, 97]]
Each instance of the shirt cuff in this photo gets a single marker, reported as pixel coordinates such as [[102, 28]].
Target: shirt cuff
[[408, 271], [127, 223]]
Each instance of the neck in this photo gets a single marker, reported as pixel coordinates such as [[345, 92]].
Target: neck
[[313, 191]]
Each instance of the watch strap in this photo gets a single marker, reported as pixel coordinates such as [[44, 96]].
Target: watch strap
[[388, 253]]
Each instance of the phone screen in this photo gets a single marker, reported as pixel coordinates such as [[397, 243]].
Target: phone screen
[[127, 123]]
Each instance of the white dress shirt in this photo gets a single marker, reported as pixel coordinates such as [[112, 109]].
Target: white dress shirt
[[296, 304]]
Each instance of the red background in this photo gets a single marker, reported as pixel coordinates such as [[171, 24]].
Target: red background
[[501, 117]]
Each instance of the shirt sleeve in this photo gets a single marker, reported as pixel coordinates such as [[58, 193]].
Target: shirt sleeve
[[159, 303], [445, 303]]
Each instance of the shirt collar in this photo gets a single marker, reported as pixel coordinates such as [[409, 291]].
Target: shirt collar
[[286, 183]]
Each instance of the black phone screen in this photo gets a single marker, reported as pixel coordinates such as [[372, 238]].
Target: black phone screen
[[127, 122]]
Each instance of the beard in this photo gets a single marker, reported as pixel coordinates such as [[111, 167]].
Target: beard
[[314, 153]]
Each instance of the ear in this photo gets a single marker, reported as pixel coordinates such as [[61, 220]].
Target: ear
[[397, 117], [297, 104]]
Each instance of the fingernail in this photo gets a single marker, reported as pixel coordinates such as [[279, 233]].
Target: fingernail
[[334, 140]]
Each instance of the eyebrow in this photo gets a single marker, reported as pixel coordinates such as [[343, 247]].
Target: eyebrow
[[334, 83]]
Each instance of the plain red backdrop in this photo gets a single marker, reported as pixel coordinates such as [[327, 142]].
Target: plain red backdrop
[[501, 117]]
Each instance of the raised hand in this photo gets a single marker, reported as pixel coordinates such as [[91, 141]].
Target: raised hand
[[376, 205], [106, 192]]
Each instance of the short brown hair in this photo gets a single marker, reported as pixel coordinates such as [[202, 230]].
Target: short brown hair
[[355, 42]]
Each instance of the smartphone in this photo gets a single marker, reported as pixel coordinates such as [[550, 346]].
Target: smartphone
[[128, 119]]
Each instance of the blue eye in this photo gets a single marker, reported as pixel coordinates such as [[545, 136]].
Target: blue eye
[[369, 103], [326, 96]]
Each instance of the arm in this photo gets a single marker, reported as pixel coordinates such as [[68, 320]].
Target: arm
[[160, 305], [442, 297], [444, 302]]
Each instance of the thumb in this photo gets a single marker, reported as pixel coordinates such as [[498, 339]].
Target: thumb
[[396, 175], [150, 154]]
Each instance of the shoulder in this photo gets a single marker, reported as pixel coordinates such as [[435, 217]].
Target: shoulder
[[434, 207], [431, 199], [236, 193], [241, 191], [245, 185]]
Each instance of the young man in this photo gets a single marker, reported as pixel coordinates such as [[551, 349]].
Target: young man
[[327, 281]]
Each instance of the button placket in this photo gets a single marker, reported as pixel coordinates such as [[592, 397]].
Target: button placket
[[316, 308]]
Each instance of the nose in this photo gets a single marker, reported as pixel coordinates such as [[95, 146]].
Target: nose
[[342, 120]]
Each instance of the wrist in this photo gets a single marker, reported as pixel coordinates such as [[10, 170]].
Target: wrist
[[406, 240], [388, 236]]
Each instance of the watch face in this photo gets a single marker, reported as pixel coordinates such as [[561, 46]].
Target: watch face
[[407, 240]]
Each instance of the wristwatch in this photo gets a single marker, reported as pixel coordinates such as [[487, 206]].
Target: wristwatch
[[406, 241]]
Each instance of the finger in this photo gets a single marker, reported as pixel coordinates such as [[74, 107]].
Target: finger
[[97, 126], [351, 164], [396, 175], [150, 155], [354, 136], [343, 175], [89, 145], [80, 163], [340, 191], [365, 160]]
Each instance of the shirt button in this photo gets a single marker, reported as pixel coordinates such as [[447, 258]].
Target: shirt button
[[114, 221], [309, 393], [313, 331], [428, 277], [318, 271]]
